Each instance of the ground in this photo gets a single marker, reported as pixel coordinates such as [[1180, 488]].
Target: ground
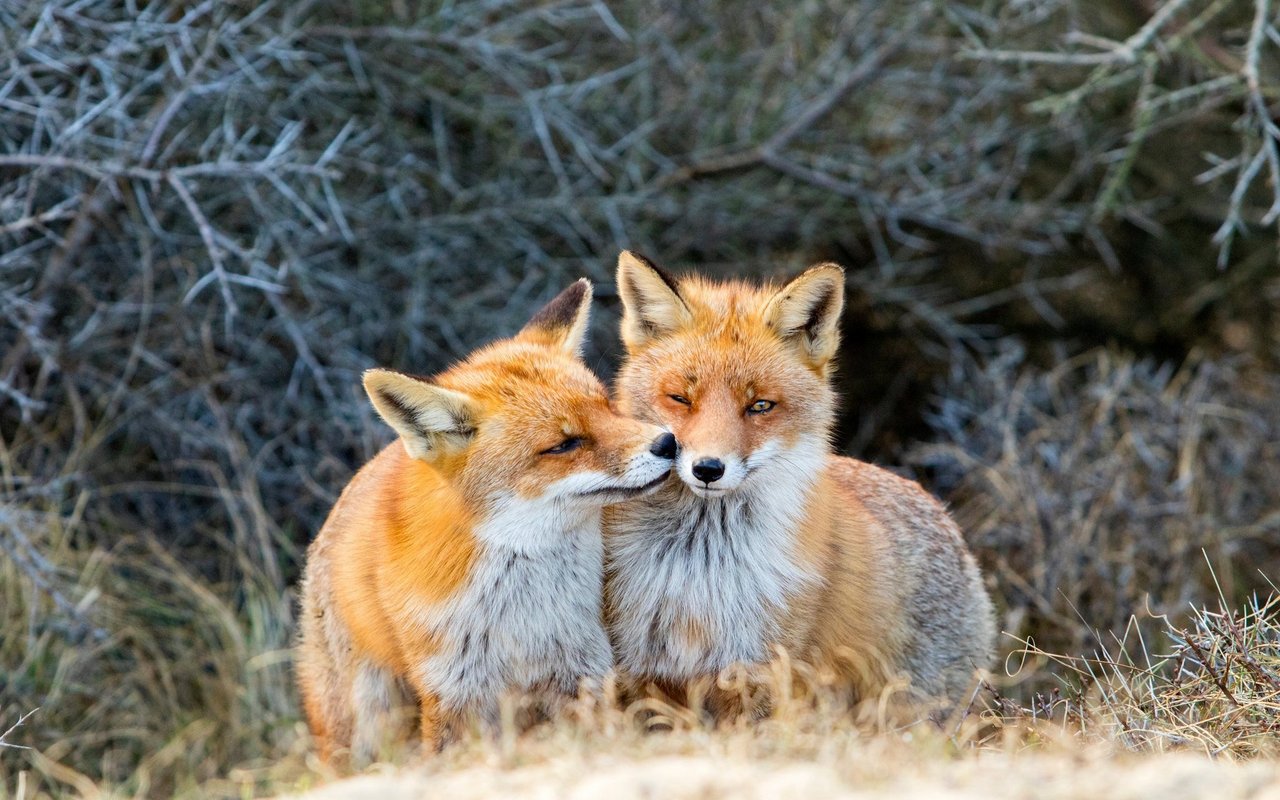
[[805, 752], [710, 777]]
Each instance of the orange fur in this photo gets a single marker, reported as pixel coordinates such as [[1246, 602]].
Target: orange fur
[[875, 577], [434, 580]]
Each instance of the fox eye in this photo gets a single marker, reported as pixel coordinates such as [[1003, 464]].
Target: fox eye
[[572, 443], [681, 399], [760, 406]]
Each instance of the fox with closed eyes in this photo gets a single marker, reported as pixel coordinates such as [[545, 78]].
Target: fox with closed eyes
[[465, 561]]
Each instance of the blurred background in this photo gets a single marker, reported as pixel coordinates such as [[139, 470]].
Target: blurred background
[[1059, 221]]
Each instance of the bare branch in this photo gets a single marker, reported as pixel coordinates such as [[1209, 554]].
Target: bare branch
[[5, 736], [1125, 52], [210, 245]]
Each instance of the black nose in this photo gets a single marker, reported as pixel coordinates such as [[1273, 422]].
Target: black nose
[[664, 446], [709, 470]]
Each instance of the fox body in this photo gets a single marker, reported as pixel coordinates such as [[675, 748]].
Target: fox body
[[762, 538], [465, 561]]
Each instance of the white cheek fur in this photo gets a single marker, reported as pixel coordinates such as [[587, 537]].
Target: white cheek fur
[[641, 469], [529, 615]]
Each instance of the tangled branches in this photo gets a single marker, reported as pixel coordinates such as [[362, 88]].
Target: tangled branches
[[1177, 69]]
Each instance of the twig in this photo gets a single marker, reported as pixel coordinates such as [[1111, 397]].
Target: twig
[[4, 736], [211, 246], [224, 169], [1125, 52], [1253, 51]]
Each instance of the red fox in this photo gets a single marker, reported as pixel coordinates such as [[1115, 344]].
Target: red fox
[[766, 539], [465, 561]]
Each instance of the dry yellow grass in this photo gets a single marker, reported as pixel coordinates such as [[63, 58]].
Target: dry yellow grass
[[1192, 711], [811, 755], [1196, 721], [1192, 716]]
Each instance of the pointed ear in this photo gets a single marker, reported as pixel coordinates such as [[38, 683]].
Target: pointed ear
[[806, 312], [431, 420], [563, 321], [651, 301]]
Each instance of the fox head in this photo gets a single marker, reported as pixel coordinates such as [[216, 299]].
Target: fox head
[[739, 373], [523, 421]]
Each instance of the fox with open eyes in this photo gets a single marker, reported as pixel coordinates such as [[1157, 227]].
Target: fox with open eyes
[[763, 538]]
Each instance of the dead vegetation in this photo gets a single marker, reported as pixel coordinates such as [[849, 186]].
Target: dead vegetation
[[213, 215], [1110, 485], [1209, 685]]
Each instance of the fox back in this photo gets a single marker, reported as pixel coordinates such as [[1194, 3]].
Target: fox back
[[464, 562], [763, 539]]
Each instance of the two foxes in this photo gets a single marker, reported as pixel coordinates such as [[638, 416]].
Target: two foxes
[[523, 536]]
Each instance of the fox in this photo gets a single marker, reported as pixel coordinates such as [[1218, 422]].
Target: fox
[[763, 540], [464, 562]]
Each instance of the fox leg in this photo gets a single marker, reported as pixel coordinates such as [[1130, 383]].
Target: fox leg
[[378, 704], [324, 680], [323, 720], [436, 724]]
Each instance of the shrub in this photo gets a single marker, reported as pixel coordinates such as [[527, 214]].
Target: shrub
[[1108, 485]]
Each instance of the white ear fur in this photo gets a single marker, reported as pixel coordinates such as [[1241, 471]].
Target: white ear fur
[[430, 419], [651, 302], [563, 321], [807, 312]]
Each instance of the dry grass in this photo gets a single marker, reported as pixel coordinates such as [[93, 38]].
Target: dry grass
[[1107, 485], [805, 752], [1130, 729], [861, 773], [164, 690], [151, 681], [1211, 685]]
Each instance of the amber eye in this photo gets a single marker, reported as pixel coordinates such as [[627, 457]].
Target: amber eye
[[760, 406], [681, 399], [572, 443]]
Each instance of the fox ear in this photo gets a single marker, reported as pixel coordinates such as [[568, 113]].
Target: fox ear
[[431, 420], [563, 321], [807, 313], [651, 301]]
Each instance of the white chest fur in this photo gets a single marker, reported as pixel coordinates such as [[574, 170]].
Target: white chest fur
[[699, 584], [529, 616]]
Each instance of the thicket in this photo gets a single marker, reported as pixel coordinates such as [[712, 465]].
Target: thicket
[[214, 215], [1109, 486]]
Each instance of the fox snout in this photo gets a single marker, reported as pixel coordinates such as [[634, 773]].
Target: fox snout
[[708, 470], [658, 455], [665, 446], [635, 467], [655, 455], [710, 474]]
